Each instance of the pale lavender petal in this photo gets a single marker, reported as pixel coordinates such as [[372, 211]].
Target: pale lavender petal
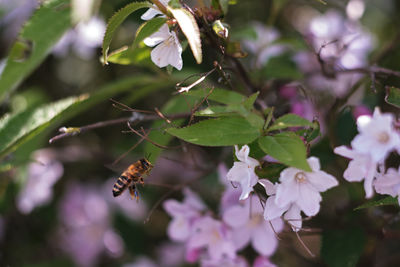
[[345, 152], [270, 188], [151, 13], [160, 36], [321, 181], [272, 210], [174, 208], [241, 237], [193, 200], [314, 163], [179, 229], [293, 217], [236, 216], [264, 240], [309, 200], [287, 192]]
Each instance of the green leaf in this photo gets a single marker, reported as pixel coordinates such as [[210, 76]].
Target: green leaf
[[225, 131], [289, 120], [249, 102], [270, 170], [116, 20], [190, 29], [286, 147], [148, 28], [342, 248], [393, 96], [377, 203], [215, 111], [128, 56], [37, 37], [16, 129], [219, 95], [281, 67]]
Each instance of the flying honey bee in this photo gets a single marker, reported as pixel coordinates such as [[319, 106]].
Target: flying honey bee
[[132, 175]]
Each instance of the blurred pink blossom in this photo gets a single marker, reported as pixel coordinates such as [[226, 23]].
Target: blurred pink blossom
[[84, 39], [43, 173], [262, 261], [249, 226], [225, 262], [361, 110], [389, 183], [264, 48], [86, 231], [377, 135], [214, 236], [361, 167], [183, 215]]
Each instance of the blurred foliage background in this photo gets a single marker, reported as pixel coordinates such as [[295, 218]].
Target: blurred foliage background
[[56, 207]]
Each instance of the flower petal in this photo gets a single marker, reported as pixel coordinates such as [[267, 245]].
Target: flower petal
[[293, 217], [159, 36], [309, 200], [321, 181], [264, 240], [236, 216], [272, 210]]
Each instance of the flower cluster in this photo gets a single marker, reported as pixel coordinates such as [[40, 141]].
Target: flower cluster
[[297, 191], [377, 138], [216, 241], [244, 219]]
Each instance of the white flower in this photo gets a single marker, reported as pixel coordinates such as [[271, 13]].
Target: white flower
[[361, 167], [389, 183], [292, 213], [303, 188], [242, 172], [377, 135], [152, 12], [168, 50]]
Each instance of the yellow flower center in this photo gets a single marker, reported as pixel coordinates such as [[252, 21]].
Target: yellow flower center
[[300, 177], [383, 137]]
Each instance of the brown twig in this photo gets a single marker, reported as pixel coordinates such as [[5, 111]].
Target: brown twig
[[146, 138], [79, 130]]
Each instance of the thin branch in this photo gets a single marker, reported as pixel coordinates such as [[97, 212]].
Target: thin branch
[[145, 137], [72, 131]]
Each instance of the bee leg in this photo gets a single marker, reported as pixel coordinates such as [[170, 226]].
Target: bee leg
[[134, 193], [141, 181]]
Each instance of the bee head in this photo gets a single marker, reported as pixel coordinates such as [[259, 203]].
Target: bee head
[[146, 164]]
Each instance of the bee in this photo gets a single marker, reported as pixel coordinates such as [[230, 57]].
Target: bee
[[132, 175]]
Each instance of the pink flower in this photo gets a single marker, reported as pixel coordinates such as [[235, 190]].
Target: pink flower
[[377, 135], [243, 172], [248, 225], [389, 183], [38, 189], [225, 262], [361, 167], [214, 236], [86, 229], [183, 215], [262, 261]]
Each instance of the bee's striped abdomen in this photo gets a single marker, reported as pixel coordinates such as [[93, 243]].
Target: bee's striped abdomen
[[121, 184]]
